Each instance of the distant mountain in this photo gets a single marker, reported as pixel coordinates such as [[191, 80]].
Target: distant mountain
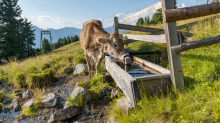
[[61, 33], [55, 34]]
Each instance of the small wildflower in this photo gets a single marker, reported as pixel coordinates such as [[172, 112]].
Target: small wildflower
[[140, 90], [131, 107], [128, 102]]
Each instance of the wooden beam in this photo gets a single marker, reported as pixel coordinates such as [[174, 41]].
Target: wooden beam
[[125, 81], [196, 44], [172, 40], [173, 15], [116, 24], [148, 38], [197, 22], [151, 65], [151, 8], [138, 28]]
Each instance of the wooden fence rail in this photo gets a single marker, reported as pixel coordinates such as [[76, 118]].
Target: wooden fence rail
[[196, 44], [147, 38], [138, 28], [173, 15]]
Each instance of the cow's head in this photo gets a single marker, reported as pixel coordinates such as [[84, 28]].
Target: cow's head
[[114, 46]]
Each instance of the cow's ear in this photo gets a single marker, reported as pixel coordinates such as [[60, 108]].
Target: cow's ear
[[102, 40]]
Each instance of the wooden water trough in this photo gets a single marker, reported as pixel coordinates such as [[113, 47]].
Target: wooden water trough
[[156, 82]]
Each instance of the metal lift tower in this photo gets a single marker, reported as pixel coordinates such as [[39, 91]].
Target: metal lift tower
[[47, 33]]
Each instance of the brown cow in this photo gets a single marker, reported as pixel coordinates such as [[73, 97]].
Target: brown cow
[[96, 42]]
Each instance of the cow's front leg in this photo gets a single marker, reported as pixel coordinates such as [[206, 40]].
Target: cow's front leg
[[100, 58], [88, 64]]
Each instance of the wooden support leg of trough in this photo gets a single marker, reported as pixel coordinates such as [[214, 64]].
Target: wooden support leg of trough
[[106, 77], [125, 105]]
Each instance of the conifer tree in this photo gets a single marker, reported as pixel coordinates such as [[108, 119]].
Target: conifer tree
[[68, 40], [140, 22], [76, 38], [28, 37], [64, 41], [72, 40], [45, 46], [16, 33]]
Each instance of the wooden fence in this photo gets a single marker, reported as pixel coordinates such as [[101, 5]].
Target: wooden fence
[[174, 44], [157, 35]]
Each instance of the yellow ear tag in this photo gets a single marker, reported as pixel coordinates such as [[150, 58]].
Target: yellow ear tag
[[102, 42]]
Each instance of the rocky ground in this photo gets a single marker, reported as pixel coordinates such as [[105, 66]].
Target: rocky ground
[[53, 105]]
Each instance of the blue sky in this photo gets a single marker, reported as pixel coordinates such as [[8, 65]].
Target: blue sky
[[57, 14]]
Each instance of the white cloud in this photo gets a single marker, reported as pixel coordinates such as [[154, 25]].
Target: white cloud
[[120, 15], [183, 5], [46, 22]]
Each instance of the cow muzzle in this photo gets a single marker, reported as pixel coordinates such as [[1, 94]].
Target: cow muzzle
[[126, 58]]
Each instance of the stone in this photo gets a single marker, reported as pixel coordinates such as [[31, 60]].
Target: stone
[[103, 92], [81, 91], [29, 103], [80, 68], [68, 70], [114, 93], [66, 105], [50, 100], [15, 104], [64, 114], [125, 105], [7, 100], [27, 94]]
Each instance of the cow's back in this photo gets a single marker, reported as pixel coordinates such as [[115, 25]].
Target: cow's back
[[87, 35]]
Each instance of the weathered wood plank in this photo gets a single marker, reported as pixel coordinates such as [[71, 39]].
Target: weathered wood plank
[[154, 86], [115, 25], [197, 22], [172, 40], [151, 8], [173, 15], [153, 77], [138, 28], [148, 38], [151, 65], [123, 79], [196, 44]]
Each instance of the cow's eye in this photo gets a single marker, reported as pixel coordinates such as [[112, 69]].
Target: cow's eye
[[115, 45]]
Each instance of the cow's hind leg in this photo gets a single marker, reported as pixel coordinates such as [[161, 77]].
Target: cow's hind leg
[[100, 58]]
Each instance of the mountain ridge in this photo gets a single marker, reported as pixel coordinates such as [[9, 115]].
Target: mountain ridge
[[60, 33]]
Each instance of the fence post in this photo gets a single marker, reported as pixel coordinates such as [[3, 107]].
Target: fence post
[[115, 26], [172, 40]]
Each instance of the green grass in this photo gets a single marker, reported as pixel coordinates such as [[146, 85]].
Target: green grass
[[41, 70], [199, 102]]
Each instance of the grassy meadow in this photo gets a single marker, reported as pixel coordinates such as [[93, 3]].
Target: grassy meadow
[[199, 102]]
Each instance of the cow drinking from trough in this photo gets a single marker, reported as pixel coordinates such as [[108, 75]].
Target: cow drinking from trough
[[96, 42]]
